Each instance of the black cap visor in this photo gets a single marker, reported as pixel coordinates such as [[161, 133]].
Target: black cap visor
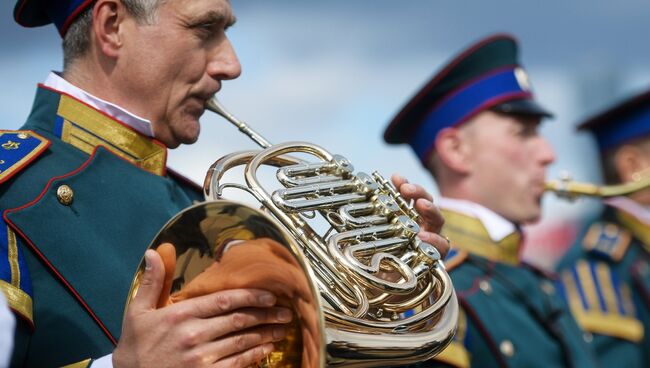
[[523, 107]]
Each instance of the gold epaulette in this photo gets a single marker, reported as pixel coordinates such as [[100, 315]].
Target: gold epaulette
[[15, 281], [607, 240], [17, 149], [599, 303]]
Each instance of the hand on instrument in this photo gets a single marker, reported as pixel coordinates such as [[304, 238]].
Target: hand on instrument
[[231, 328], [432, 219]]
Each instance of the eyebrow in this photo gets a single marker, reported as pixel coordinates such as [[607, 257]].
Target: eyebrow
[[216, 17]]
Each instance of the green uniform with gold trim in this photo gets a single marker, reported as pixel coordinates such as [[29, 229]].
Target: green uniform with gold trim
[[512, 315], [606, 279], [81, 212]]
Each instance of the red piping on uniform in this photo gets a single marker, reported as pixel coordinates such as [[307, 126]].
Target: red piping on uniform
[[44, 259], [71, 17], [20, 9], [184, 179], [483, 331]]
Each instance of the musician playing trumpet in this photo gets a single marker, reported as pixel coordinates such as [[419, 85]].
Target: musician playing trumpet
[[475, 127], [606, 274], [85, 187]]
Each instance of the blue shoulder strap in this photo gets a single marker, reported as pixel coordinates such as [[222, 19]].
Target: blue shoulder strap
[[17, 149], [607, 240]]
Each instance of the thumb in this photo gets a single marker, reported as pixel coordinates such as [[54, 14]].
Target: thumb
[[151, 283]]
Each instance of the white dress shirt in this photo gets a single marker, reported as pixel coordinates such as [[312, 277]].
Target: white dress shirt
[[496, 225]]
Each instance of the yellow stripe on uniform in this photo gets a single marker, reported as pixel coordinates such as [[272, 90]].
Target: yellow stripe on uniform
[[623, 327], [12, 255], [607, 290], [87, 128], [588, 286], [18, 300], [575, 302], [81, 364]]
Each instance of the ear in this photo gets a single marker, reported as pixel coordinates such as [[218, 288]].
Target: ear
[[452, 149], [108, 16], [631, 161]]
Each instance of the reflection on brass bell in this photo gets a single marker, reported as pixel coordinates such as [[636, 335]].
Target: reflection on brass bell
[[65, 195]]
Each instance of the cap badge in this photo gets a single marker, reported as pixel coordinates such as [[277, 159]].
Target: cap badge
[[522, 79]]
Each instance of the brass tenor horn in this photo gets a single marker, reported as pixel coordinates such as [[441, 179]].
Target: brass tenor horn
[[567, 188], [380, 296]]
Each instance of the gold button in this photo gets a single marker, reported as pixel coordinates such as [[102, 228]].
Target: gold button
[[65, 195], [22, 136], [507, 348], [548, 288], [485, 286]]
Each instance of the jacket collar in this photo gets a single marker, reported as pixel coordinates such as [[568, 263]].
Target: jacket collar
[[86, 128], [468, 226]]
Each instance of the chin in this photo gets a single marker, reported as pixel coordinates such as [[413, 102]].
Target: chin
[[532, 216]]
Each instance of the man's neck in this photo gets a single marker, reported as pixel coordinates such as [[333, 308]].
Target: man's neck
[[119, 113]]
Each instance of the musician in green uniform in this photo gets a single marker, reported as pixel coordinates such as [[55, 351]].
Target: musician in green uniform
[[84, 188], [606, 275], [475, 127]]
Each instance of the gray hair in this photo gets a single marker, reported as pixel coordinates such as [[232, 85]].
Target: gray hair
[[76, 41]]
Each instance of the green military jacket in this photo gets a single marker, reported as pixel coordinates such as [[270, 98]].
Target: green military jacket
[[606, 279], [511, 313], [82, 196]]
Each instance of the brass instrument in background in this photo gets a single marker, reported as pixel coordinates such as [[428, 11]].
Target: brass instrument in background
[[566, 188], [381, 296]]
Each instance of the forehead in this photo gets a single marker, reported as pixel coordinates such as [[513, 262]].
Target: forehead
[[219, 10]]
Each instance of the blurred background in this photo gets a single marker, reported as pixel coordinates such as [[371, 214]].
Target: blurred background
[[335, 73]]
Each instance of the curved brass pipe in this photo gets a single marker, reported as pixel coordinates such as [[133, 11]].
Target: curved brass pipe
[[566, 188]]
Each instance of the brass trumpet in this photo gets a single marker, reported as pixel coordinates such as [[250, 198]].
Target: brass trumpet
[[567, 188], [367, 292]]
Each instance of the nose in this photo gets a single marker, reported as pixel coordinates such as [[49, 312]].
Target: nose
[[223, 62], [546, 154]]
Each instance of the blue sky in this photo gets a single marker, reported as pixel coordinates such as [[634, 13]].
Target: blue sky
[[335, 72]]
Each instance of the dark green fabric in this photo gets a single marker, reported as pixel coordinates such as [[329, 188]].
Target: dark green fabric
[[95, 244], [538, 325], [632, 270], [518, 309]]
